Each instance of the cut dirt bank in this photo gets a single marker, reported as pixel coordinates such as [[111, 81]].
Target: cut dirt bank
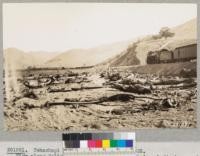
[[161, 69]]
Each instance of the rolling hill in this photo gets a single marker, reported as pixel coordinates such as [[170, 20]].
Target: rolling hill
[[87, 57], [125, 53], [72, 58], [18, 59], [136, 53]]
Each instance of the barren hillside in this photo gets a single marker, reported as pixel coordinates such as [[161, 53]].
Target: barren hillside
[[138, 50]]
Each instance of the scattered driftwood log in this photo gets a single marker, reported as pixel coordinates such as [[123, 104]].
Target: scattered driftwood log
[[169, 103], [184, 85], [91, 87], [113, 76], [171, 81], [67, 89], [54, 90], [122, 111], [70, 74], [117, 111], [137, 88], [48, 104], [131, 82], [76, 103], [76, 80], [103, 74], [188, 72], [117, 97], [85, 87], [30, 94], [38, 84], [162, 105]]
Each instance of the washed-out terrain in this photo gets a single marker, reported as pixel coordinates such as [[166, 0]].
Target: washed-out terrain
[[101, 98]]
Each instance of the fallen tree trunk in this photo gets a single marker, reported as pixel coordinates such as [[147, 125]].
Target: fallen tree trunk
[[58, 90], [94, 87], [184, 86], [132, 82], [172, 82], [48, 104], [82, 88], [100, 101], [54, 90], [139, 89], [117, 97]]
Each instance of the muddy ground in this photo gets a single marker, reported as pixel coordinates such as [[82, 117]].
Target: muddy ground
[[78, 100]]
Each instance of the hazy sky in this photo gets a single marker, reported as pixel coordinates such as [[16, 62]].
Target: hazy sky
[[62, 26]]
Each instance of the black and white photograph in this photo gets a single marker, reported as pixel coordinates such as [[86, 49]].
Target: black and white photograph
[[99, 66]]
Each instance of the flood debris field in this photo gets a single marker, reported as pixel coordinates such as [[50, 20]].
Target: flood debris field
[[108, 99]]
